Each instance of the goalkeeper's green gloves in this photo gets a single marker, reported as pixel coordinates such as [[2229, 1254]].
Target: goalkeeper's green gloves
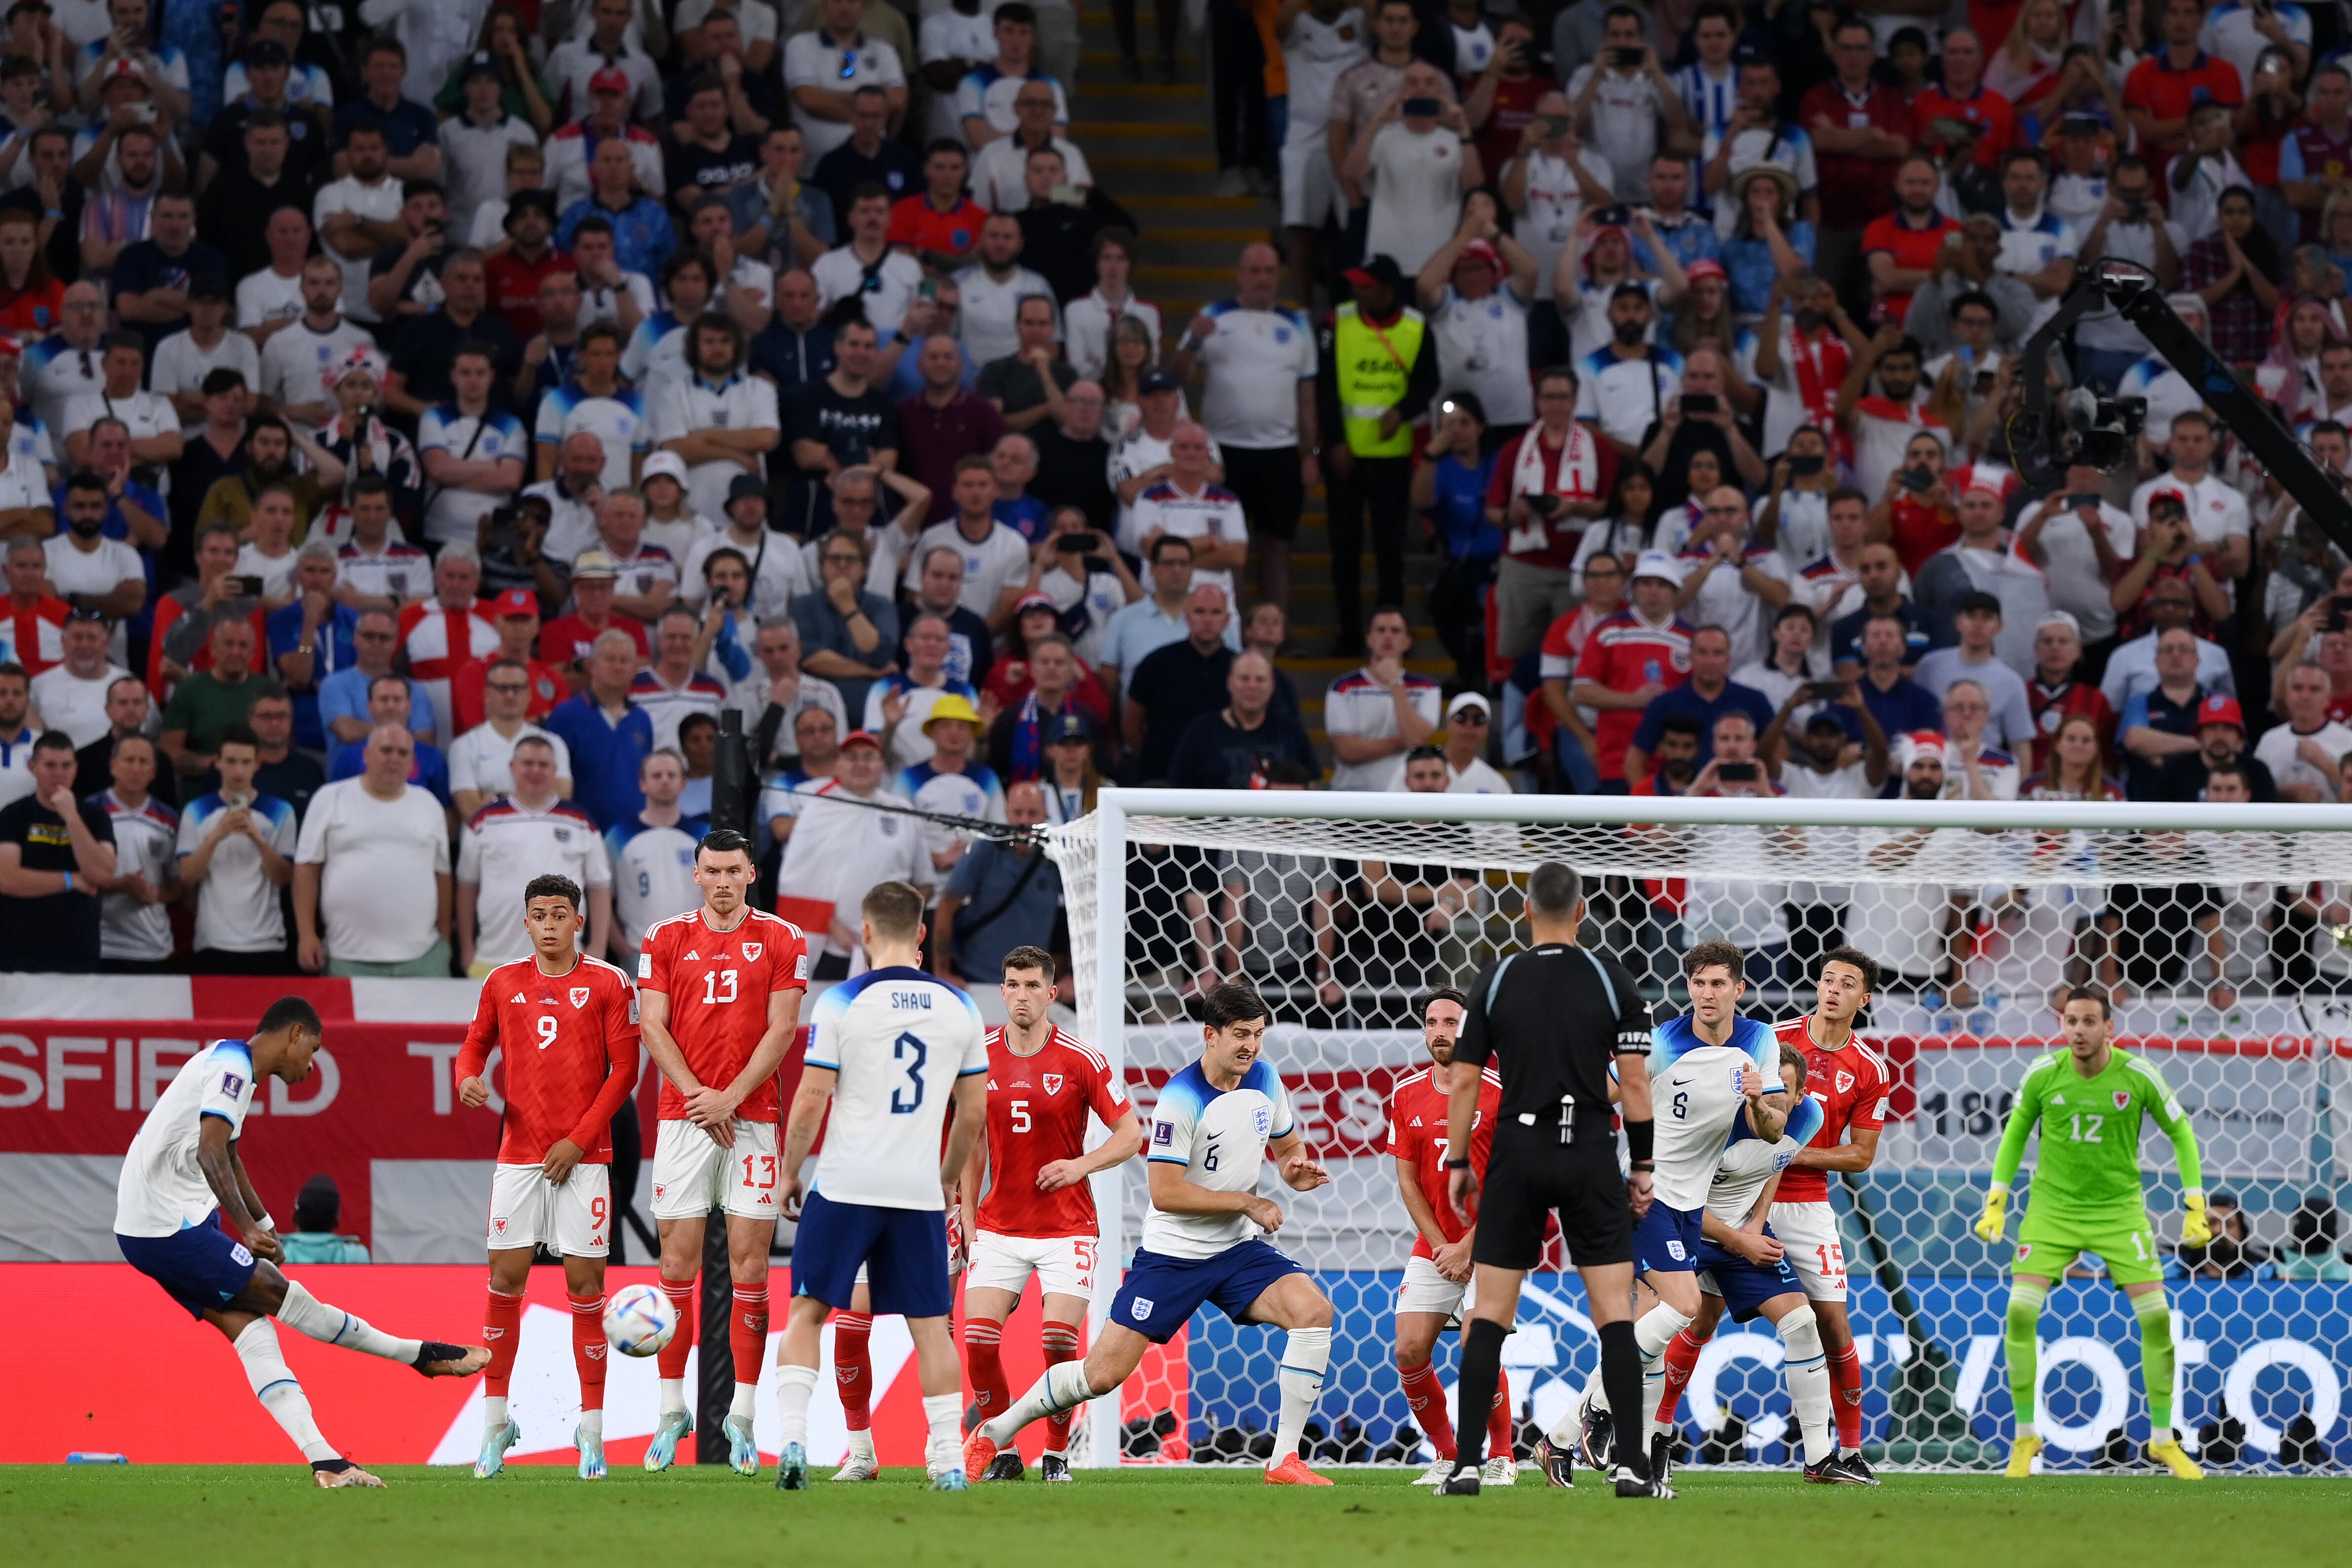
[[2196, 1229], [1995, 1216]]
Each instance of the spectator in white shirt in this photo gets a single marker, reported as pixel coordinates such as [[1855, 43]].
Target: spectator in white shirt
[[360, 905], [838, 852], [1376, 714], [607, 44], [236, 849], [1629, 114], [531, 832], [1000, 170], [71, 694], [1190, 503], [1468, 722], [1415, 168], [995, 558], [823, 68], [720, 419], [1086, 320], [990, 291], [152, 422], [479, 759], [985, 98], [1982, 771], [2305, 754]]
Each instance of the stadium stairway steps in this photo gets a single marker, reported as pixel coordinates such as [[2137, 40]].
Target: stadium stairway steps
[[1151, 149]]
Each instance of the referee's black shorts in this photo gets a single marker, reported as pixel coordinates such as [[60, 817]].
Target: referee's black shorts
[[1530, 1175]]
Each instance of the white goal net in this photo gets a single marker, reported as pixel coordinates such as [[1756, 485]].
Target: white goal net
[[2210, 924]]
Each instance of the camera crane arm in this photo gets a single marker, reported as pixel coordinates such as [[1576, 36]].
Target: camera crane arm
[[2044, 442]]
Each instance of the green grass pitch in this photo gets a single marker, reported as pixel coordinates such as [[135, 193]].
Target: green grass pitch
[[265, 1517]]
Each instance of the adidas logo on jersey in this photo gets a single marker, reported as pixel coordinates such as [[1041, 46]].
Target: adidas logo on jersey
[[691, 955], [991, 1086], [519, 999]]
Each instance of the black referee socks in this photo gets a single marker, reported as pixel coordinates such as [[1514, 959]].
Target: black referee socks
[[1620, 1379], [1482, 1367]]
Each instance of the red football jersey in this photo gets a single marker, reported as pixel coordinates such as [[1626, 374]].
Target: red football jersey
[[1852, 1085], [1417, 1114], [1037, 1109], [719, 983], [569, 1046]]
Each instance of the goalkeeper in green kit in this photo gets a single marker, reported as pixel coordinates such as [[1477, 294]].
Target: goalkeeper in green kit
[[2089, 1100]]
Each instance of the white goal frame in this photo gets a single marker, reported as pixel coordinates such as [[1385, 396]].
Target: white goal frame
[[1107, 833]]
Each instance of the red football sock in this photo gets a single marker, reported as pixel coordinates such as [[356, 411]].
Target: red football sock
[[1427, 1401], [588, 1348], [1498, 1419], [1845, 1396], [747, 1331], [983, 1355], [686, 1301], [853, 1377], [1061, 1343], [1680, 1356], [502, 1331]]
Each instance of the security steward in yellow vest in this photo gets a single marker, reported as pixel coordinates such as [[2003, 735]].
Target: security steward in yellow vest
[[1379, 372]]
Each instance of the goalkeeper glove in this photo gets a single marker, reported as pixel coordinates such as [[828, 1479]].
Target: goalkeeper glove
[[1996, 1215], [2196, 1230]]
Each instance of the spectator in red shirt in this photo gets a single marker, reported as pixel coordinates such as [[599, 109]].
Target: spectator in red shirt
[[568, 640], [1861, 133], [939, 223], [514, 274], [32, 621], [1963, 97], [1552, 479], [1502, 102], [2059, 690], [515, 614], [1640, 652], [1901, 246], [2163, 88]]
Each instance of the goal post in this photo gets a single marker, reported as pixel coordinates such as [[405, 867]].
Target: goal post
[[2211, 924]]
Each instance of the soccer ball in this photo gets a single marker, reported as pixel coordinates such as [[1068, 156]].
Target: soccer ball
[[639, 1320]]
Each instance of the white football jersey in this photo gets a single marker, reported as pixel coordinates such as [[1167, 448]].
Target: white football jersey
[[899, 1039], [162, 1192], [653, 878], [1750, 1162], [1219, 1136], [1695, 1099]]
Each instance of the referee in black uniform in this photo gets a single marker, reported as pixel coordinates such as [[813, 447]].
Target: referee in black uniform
[[1554, 1017]]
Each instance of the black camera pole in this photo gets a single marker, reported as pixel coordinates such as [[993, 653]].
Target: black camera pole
[[2037, 444], [731, 807]]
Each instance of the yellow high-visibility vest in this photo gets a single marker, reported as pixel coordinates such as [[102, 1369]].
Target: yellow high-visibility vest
[[1371, 375]]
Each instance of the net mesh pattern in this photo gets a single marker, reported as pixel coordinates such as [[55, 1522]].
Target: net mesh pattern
[[2216, 942]]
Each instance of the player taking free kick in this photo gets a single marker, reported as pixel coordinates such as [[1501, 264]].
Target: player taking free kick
[[1203, 1240], [186, 1216], [565, 1025], [718, 998], [2088, 1100], [887, 1050], [1038, 1216]]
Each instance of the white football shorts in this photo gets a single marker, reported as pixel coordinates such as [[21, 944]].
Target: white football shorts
[[692, 1173], [1808, 1237], [574, 1218], [1427, 1290], [1064, 1265], [1310, 191]]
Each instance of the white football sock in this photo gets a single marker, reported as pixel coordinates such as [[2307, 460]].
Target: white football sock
[[1652, 1332], [673, 1395], [1064, 1387], [494, 1412], [794, 1387], [943, 1413], [313, 1319], [739, 1407], [1570, 1425], [1304, 1358], [592, 1423], [274, 1384], [861, 1444], [1808, 1368]]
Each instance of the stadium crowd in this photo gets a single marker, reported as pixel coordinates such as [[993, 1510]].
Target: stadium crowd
[[424, 421]]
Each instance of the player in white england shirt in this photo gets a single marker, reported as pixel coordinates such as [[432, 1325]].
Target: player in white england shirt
[[1203, 1240], [186, 1216], [887, 1054], [1189, 504], [532, 831]]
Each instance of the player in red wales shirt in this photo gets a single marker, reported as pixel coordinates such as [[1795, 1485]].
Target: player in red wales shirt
[[1038, 1215], [719, 990], [1849, 1076], [566, 1028], [1437, 1281]]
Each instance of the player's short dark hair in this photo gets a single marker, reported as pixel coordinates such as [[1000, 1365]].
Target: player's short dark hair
[[1792, 1057], [551, 887], [1436, 994], [723, 842], [1714, 955], [290, 1012], [1856, 958], [895, 910], [2088, 994], [1027, 956], [1233, 1001], [1554, 890]]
